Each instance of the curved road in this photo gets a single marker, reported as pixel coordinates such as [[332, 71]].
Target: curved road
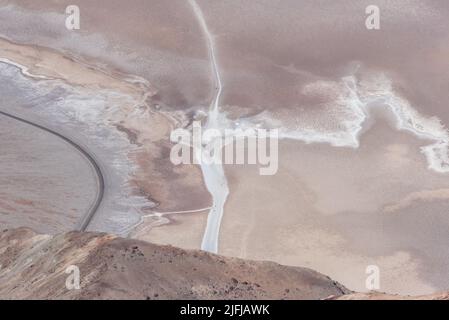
[[87, 218]]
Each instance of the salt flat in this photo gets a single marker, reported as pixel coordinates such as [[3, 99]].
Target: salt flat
[[362, 114]]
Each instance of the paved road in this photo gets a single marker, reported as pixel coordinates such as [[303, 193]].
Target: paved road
[[87, 218]]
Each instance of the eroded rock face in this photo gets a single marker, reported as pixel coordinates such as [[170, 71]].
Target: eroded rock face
[[33, 266]]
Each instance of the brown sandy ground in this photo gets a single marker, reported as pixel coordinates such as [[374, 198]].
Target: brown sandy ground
[[339, 210], [260, 73], [158, 40], [33, 267], [44, 182], [184, 230], [308, 40], [128, 116]]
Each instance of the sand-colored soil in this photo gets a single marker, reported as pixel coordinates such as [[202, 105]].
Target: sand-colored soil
[[111, 115], [137, 70], [183, 230], [339, 210], [45, 183]]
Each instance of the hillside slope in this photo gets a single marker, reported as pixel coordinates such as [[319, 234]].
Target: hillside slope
[[33, 267]]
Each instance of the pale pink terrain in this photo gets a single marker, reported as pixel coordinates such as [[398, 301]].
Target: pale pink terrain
[[363, 148]]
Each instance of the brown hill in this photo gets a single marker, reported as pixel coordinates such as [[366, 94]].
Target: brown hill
[[33, 267]]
